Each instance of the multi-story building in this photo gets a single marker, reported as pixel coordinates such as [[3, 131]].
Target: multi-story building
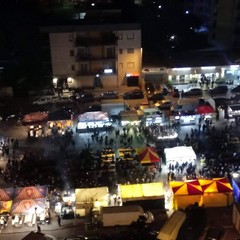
[[102, 55]]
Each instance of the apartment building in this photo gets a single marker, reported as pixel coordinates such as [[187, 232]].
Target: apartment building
[[100, 55]]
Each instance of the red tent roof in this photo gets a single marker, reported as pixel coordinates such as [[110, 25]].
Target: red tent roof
[[204, 109], [219, 185], [191, 187], [148, 155]]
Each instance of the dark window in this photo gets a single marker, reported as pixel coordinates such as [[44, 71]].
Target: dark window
[[71, 52]]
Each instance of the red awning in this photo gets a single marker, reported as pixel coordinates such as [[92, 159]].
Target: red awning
[[205, 109]]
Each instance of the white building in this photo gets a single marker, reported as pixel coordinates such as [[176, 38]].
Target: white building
[[104, 55]]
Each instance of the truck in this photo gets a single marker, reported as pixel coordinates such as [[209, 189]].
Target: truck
[[123, 215], [170, 229]]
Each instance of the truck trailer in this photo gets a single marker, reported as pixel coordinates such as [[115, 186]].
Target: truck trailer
[[123, 215]]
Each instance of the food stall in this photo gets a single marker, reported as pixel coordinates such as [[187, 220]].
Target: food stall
[[89, 121], [88, 199], [147, 195], [217, 192], [152, 116], [34, 117], [130, 117], [127, 154], [29, 206], [180, 154], [59, 120], [148, 155], [186, 193]]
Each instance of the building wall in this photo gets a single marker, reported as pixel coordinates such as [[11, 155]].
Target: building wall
[[60, 54], [126, 55], [129, 54]]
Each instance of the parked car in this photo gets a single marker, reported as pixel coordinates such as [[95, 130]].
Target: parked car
[[85, 97], [45, 100], [214, 233], [221, 89], [156, 96], [236, 89], [94, 108], [109, 95], [149, 88], [164, 89], [134, 94], [164, 105], [195, 91]]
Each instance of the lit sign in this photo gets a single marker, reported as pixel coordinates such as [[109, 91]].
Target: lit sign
[[182, 69], [208, 68]]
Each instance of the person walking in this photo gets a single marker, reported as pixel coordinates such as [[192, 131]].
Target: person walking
[[59, 221]]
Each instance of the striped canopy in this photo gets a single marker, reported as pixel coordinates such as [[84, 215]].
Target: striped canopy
[[191, 187], [215, 185], [30, 192], [6, 194], [148, 155], [28, 206]]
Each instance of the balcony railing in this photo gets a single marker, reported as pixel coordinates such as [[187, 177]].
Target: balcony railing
[[104, 39], [84, 58]]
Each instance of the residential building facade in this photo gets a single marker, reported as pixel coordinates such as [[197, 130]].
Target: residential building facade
[[104, 55]]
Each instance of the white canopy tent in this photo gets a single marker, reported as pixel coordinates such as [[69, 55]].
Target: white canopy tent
[[92, 120], [180, 154]]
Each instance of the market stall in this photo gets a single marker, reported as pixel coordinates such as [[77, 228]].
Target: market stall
[[31, 192], [180, 154], [186, 193], [128, 154], [29, 205], [27, 211], [147, 195], [60, 121], [34, 117], [107, 155], [92, 120], [90, 198], [148, 155], [217, 192], [6, 196], [130, 117]]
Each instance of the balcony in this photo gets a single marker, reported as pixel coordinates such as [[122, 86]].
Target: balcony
[[104, 39], [89, 57]]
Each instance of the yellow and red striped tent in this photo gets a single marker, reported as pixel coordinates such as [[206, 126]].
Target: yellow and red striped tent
[[215, 185], [191, 187], [148, 155]]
